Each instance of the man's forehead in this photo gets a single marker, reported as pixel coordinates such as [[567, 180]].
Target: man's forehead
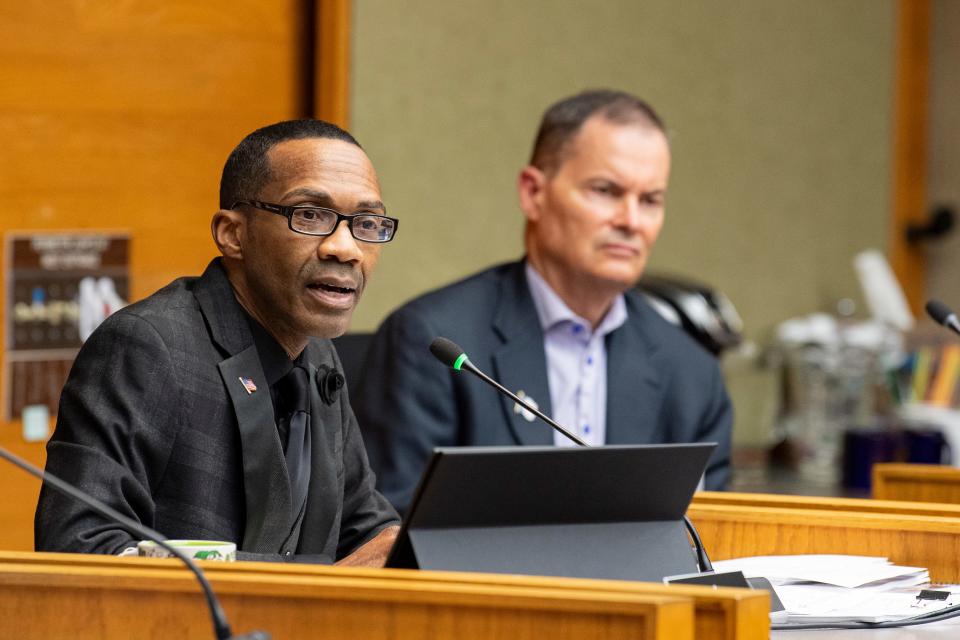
[[598, 129], [325, 165], [302, 153], [602, 140], [324, 198]]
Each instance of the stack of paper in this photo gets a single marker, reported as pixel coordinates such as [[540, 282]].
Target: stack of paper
[[837, 588]]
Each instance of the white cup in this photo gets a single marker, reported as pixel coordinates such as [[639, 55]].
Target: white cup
[[193, 549]]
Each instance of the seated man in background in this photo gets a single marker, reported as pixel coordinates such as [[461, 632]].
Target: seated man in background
[[561, 327], [211, 410]]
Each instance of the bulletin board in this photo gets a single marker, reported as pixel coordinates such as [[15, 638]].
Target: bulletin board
[[60, 287]]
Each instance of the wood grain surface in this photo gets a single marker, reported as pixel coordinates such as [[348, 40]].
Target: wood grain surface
[[114, 598], [917, 483]]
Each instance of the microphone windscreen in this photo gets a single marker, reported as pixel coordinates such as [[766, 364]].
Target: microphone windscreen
[[938, 311], [446, 351]]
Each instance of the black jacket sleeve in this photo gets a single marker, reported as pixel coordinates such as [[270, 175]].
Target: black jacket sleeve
[[118, 418]]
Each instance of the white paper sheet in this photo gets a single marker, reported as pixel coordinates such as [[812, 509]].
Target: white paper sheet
[[837, 570], [838, 588]]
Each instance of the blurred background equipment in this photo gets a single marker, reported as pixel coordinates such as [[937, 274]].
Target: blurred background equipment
[[703, 312], [939, 224]]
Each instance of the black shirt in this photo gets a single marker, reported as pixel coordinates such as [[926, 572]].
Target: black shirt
[[274, 360]]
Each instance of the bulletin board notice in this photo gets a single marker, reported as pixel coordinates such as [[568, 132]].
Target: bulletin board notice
[[60, 287]]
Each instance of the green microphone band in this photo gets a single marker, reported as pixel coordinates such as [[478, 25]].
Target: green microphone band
[[460, 360]]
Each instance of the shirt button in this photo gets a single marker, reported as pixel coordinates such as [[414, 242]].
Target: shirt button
[[577, 328], [589, 360], [586, 428]]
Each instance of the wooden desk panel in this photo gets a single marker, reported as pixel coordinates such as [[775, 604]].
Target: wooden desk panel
[[864, 505], [718, 613], [121, 599], [917, 482], [730, 531]]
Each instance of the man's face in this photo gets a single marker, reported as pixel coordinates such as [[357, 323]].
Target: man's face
[[593, 220], [301, 285]]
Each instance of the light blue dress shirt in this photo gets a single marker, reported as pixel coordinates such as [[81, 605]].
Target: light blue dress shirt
[[576, 362]]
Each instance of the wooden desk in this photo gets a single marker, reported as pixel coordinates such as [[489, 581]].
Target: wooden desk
[[130, 600], [864, 505], [718, 613], [364, 603], [808, 524], [916, 482], [735, 530]]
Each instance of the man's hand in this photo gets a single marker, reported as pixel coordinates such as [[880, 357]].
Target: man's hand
[[373, 553]]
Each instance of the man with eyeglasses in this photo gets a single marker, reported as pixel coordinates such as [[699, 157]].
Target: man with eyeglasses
[[563, 326], [213, 409]]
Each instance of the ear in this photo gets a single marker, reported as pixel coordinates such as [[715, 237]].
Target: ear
[[530, 187], [229, 229]]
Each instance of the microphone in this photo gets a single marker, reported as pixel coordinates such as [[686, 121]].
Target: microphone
[[221, 628], [942, 314], [449, 353], [329, 382]]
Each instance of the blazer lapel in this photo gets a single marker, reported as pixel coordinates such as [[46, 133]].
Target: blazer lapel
[[520, 363], [265, 481], [633, 386]]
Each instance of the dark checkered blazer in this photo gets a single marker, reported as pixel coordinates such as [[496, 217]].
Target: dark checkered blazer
[[155, 421]]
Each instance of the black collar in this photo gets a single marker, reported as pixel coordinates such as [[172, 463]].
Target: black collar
[[274, 360]]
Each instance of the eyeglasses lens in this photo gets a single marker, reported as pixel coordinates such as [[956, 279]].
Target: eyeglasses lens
[[369, 228]]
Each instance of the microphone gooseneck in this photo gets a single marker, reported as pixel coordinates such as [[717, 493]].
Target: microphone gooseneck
[[451, 354], [221, 627]]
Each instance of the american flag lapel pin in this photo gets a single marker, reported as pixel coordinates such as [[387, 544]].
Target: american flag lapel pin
[[248, 385]]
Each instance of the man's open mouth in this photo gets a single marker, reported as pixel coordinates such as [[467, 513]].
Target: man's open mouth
[[332, 288]]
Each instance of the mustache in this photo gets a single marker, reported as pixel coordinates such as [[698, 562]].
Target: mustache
[[330, 269]]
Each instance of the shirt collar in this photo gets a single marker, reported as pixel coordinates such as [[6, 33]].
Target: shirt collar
[[552, 310], [274, 360]]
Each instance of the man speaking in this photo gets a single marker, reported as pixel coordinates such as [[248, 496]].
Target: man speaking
[[561, 327], [213, 408]]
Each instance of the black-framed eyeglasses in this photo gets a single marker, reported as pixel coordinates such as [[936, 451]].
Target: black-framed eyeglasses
[[320, 221]]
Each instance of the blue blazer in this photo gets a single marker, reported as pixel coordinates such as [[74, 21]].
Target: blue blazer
[[662, 387]]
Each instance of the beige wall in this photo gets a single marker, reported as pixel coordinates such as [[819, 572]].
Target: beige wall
[[781, 120]]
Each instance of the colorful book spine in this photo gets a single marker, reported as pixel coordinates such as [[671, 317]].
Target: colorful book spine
[[945, 380], [921, 374]]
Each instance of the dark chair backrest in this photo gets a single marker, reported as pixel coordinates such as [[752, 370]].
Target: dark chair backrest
[[352, 349]]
